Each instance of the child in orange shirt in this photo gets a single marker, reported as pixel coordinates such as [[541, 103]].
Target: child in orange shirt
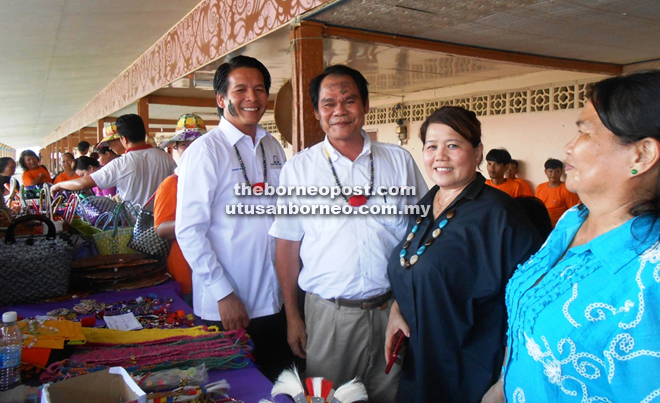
[[498, 161], [555, 196]]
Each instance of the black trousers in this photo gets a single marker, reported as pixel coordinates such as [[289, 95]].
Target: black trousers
[[272, 353]]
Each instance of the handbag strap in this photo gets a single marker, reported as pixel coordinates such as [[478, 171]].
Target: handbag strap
[[150, 199]]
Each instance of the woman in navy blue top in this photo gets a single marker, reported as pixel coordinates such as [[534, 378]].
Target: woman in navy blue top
[[449, 274]]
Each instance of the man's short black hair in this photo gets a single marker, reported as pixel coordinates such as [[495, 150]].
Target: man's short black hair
[[514, 162], [498, 155], [83, 146], [552, 163], [338, 70], [131, 127], [221, 78]]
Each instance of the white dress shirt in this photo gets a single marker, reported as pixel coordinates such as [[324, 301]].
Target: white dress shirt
[[136, 174], [345, 256], [228, 253]]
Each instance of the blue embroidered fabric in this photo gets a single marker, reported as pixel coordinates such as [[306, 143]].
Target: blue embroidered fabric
[[589, 331]]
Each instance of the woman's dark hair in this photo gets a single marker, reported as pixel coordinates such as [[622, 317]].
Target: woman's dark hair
[[537, 213], [338, 70], [552, 163], [83, 163], [21, 158], [4, 161], [67, 153], [629, 107], [461, 120], [221, 78], [103, 150]]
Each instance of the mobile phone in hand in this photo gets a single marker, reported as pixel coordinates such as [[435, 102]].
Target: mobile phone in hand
[[395, 353]]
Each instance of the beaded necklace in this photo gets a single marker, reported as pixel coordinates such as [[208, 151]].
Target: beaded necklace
[[408, 264], [357, 200], [261, 185]]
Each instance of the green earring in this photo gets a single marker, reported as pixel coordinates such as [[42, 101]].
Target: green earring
[[634, 172]]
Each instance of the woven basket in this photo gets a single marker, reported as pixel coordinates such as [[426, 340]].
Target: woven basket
[[34, 268]]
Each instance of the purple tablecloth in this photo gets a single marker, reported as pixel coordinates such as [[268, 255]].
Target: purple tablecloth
[[247, 384]]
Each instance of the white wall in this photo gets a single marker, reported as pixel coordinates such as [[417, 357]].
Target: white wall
[[531, 138]]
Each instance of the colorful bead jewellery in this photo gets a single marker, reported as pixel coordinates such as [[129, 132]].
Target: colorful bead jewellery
[[357, 200], [436, 233], [261, 185]]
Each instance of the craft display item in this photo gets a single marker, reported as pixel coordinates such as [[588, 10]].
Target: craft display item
[[145, 239], [216, 350], [34, 267], [151, 311], [319, 390]]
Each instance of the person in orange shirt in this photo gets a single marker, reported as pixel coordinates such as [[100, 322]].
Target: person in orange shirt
[[498, 162], [553, 193], [33, 173], [188, 128], [512, 173], [68, 168]]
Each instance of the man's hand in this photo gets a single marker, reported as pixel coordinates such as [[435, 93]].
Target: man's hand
[[232, 313], [296, 335], [54, 189]]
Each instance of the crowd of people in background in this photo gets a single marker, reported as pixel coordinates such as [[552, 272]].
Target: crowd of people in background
[[469, 285]]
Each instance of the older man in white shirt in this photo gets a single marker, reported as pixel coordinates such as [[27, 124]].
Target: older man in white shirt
[[344, 257], [231, 256]]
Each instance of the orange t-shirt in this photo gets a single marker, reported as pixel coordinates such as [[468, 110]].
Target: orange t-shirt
[[165, 210], [527, 191], [557, 200], [64, 177], [512, 188], [31, 174]]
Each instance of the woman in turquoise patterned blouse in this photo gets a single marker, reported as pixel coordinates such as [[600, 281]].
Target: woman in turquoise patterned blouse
[[584, 317]]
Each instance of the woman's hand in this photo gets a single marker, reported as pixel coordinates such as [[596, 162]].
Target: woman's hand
[[41, 178], [395, 323], [495, 394]]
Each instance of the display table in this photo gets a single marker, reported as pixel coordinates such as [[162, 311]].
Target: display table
[[247, 384]]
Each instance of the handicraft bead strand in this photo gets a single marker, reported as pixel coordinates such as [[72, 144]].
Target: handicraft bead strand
[[408, 264], [358, 200], [263, 159]]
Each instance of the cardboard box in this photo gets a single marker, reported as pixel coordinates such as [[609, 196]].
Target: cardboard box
[[113, 385]]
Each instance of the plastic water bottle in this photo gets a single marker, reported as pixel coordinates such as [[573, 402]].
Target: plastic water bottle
[[10, 352]]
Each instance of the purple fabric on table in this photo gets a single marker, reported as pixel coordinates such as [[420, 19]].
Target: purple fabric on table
[[247, 384], [104, 192]]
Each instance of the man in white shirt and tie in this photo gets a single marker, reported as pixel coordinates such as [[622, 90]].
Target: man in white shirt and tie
[[344, 257], [231, 256]]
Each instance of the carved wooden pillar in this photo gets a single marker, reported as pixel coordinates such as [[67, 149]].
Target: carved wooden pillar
[[307, 63]]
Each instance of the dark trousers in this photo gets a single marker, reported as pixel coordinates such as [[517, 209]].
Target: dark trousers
[[272, 353]]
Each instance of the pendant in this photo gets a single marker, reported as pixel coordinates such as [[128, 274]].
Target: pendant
[[357, 201], [258, 188]]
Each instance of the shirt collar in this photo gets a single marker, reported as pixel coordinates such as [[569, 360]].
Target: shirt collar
[[628, 240], [233, 135], [138, 148], [334, 154], [471, 191]]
